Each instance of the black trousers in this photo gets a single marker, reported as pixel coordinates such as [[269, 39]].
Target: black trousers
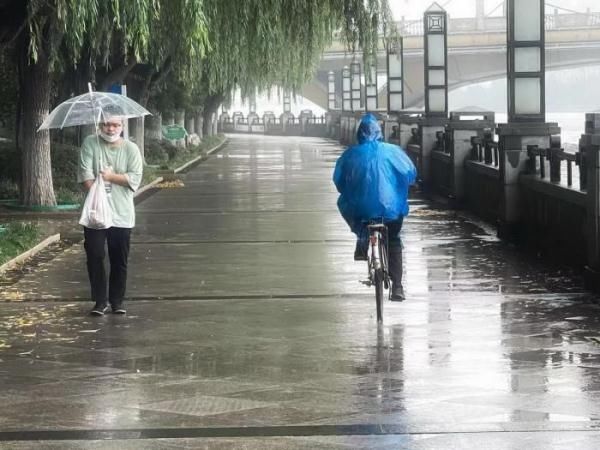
[[117, 240], [394, 228]]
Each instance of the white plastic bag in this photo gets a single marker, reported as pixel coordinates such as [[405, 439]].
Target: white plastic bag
[[96, 211]]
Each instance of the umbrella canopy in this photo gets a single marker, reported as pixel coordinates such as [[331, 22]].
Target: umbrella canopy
[[92, 108]]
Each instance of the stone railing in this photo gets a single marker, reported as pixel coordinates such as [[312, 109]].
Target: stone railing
[[550, 196]]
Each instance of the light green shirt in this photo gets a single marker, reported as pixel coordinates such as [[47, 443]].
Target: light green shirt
[[124, 159]]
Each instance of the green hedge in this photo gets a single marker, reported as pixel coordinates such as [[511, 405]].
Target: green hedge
[[65, 159]]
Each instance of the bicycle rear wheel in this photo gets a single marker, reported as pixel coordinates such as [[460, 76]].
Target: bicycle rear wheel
[[379, 293]]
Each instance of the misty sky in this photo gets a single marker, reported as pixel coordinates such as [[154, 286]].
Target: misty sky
[[413, 9]]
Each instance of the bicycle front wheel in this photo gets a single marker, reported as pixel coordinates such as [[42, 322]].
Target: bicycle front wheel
[[379, 294]]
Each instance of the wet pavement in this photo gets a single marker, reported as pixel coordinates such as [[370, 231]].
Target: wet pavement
[[247, 327]]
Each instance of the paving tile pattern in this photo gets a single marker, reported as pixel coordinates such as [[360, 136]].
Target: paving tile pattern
[[246, 312]]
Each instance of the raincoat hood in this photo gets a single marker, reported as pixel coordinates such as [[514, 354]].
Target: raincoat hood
[[369, 130]]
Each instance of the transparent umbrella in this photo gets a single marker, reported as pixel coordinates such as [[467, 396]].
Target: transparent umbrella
[[92, 108]]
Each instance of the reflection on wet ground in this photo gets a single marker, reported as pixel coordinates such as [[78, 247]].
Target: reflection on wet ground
[[248, 328]]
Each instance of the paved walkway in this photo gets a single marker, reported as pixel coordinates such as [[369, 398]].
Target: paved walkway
[[248, 328]]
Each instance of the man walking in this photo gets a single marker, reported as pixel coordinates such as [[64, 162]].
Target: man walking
[[122, 173]]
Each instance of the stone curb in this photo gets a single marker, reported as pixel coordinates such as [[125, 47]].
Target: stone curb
[[29, 253], [198, 158], [158, 180], [149, 186]]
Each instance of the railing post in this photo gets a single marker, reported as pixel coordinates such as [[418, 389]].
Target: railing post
[[531, 159], [463, 126], [487, 149], [555, 160], [475, 148]]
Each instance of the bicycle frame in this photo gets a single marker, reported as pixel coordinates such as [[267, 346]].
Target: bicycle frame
[[375, 237], [378, 263]]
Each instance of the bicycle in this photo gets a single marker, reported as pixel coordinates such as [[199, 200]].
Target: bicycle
[[377, 258]]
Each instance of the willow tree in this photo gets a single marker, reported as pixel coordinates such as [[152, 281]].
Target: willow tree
[[49, 35], [179, 41], [256, 44]]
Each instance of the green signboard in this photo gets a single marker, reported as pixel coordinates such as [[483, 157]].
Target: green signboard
[[174, 132]]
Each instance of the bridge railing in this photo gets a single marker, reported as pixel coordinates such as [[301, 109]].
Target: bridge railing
[[540, 159], [575, 20], [413, 149], [498, 23], [485, 150], [545, 196]]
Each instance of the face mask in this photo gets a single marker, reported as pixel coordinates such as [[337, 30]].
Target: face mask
[[110, 138]]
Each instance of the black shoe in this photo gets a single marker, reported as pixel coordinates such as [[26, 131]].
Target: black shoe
[[118, 309], [99, 309], [360, 252], [397, 294]]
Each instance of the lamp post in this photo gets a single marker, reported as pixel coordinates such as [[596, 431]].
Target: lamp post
[[252, 116], [395, 77], [331, 90], [436, 86], [346, 94], [346, 103], [355, 85], [287, 105], [526, 125], [371, 103], [436, 56], [287, 111], [525, 61]]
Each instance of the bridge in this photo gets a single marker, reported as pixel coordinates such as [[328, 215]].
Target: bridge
[[476, 53]]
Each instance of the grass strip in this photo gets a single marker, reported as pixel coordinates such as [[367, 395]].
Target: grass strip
[[15, 238]]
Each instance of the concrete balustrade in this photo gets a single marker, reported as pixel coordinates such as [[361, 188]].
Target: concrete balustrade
[[590, 147]]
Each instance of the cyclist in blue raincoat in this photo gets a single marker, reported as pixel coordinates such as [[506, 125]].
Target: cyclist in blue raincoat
[[373, 178]]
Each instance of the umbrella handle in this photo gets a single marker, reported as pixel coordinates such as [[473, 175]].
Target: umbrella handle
[[96, 120]]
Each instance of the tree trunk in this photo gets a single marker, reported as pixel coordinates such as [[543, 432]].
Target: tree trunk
[[180, 120], [117, 75], [153, 128], [190, 124], [211, 105], [36, 183], [198, 124], [136, 133]]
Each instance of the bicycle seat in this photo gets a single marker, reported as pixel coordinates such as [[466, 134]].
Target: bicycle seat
[[375, 224]]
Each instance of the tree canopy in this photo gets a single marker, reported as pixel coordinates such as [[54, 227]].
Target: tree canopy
[[261, 43], [203, 48]]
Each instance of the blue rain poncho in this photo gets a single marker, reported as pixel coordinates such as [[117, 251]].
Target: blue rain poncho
[[373, 178]]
